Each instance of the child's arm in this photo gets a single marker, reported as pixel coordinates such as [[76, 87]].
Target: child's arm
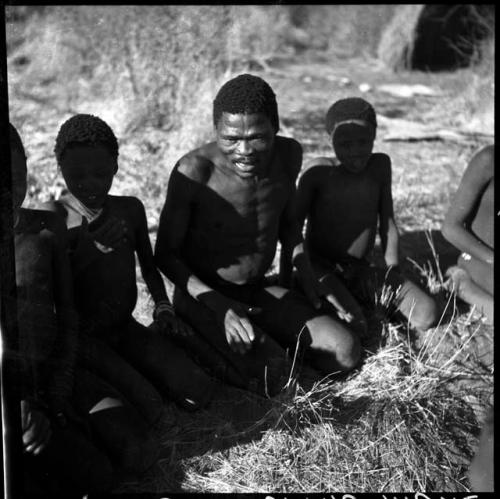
[[149, 271], [388, 230], [478, 174], [61, 385]]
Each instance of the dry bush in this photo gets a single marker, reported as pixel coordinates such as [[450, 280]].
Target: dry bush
[[348, 30]]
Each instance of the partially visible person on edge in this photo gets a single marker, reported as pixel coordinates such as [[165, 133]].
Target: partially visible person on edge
[[105, 234], [59, 455], [468, 225], [228, 203], [481, 471], [345, 199]]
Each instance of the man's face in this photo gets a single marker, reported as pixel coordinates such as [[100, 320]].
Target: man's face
[[353, 145], [19, 186], [247, 141], [88, 172]]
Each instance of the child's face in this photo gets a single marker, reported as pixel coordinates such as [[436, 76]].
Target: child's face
[[353, 145], [88, 172], [19, 186]]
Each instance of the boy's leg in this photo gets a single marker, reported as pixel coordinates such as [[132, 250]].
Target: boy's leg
[[327, 276], [409, 299], [72, 464], [118, 427], [167, 365], [100, 359], [264, 369], [470, 292], [328, 344]]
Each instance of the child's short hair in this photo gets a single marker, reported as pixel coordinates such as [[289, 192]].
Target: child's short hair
[[246, 94], [352, 108], [15, 140], [85, 129]]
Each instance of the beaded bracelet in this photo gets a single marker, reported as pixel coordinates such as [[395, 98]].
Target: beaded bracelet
[[163, 306]]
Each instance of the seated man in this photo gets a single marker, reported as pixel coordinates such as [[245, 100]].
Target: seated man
[[55, 444], [105, 234], [228, 203], [468, 225], [345, 199]]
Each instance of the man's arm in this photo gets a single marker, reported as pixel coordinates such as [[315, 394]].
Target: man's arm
[[477, 175], [388, 230], [290, 230], [172, 231]]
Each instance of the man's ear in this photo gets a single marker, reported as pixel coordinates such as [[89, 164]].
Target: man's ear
[[115, 169]]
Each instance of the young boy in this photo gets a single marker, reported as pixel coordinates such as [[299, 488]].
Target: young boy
[[468, 225], [54, 442], [105, 234], [345, 199]]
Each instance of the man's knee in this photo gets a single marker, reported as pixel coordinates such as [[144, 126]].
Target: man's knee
[[334, 348]]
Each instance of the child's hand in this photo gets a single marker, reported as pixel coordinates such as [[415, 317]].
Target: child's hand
[[112, 233], [35, 427]]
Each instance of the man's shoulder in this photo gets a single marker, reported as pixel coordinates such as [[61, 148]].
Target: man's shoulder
[[198, 164], [288, 144]]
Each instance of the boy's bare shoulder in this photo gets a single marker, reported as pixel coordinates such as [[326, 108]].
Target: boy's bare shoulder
[[197, 165], [484, 160], [321, 161], [129, 204], [380, 164], [44, 216]]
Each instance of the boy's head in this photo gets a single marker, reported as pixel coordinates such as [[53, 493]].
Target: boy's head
[[18, 162], [352, 124], [87, 152], [245, 115]]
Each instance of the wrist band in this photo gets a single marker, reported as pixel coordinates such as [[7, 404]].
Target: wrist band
[[163, 306]]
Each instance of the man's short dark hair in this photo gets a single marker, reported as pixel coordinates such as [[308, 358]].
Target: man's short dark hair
[[85, 129], [246, 94]]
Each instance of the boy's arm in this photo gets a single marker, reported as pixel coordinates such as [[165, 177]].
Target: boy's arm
[[61, 384], [477, 175], [149, 272], [388, 230], [299, 212]]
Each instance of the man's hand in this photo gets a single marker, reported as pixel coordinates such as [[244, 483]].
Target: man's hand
[[35, 427], [233, 316], [112, 233]]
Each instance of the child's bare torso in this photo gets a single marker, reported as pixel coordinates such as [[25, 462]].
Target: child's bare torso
[[342, 222], [482, 221]]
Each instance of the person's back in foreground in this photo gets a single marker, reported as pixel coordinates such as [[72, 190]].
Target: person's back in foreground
[[468, 225], [59, 455], [228, 203], [345, 199]]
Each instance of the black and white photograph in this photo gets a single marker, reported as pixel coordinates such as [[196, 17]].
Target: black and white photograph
[[247, 249]]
